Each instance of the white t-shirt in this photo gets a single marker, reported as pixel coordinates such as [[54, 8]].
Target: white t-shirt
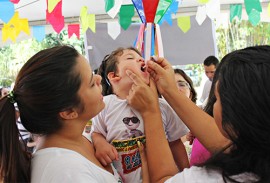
[[54, 165], [206, 90], [201, 175], [110, 122]]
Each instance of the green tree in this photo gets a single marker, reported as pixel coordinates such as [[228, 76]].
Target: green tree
[[13, 57]]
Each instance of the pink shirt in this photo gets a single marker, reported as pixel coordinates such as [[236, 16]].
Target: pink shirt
[[199, 153]]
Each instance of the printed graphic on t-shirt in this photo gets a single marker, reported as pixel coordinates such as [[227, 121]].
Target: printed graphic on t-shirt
[[129, 153], [132, 123]]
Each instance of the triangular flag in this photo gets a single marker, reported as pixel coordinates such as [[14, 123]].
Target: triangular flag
[[139, 8], [55, 18], [235, 11], [115, 9], [38, 32], [114, 29], [213, 9], [252, 4], [201, 14], [74, 29], [184, 23], [52, 4], [7, 10], [13, 28], [15, 1], [150, 8], [167, 16], [108, 5], [203, 1], [162, 8], [254, 17], [92, 22], [125, 15], [87, 20]]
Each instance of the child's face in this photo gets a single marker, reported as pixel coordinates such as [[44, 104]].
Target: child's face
[[132, 61]]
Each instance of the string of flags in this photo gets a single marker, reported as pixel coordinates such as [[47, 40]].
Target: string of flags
[[152, 13]]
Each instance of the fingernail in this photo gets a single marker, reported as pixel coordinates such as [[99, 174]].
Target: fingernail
[[154, 58], [139, 144]]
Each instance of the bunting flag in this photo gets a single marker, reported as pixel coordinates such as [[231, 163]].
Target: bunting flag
[[15, 1], [113, 29], [38, 32], [139, 8], [13, 28], [87, 20], [55, 18], [168, 15], [125, 15], [235, 11], [150, 8], [213, 9], [162, 9], [252, 4], [254, 17], [74, 29], [203, 1], [52, 4], [115, 9], [108, 5], [184, 23], [7, 10], [201, 14], [253, 9]]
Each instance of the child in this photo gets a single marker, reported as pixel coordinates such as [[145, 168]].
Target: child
[[122, 126]]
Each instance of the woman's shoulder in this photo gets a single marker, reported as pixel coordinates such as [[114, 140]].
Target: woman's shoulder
[[54, 163], [201, 174]]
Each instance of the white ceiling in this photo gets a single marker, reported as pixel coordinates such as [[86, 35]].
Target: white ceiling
[[35, 10]]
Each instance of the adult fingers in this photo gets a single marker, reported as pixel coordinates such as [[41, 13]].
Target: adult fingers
[[136, 80], [115, 154], [145, 172]]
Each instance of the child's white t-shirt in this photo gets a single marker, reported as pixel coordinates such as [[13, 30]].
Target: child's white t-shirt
[[122, 126]]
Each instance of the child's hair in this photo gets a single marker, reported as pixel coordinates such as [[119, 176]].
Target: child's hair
[[109, 64], [47, 84]]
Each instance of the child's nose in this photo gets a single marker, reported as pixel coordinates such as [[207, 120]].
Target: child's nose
[[140, 60]]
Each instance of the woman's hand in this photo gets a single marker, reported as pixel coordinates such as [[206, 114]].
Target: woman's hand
[[163, 74], [142, 97]]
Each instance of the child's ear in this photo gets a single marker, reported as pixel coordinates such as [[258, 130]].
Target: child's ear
[[69, 114], [113, 77]]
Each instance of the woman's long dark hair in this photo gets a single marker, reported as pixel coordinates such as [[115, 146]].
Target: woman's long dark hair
[[244, 89], [46, 85]]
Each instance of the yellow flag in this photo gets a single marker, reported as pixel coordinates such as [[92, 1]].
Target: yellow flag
[[203, 1], [184, 23], [87, 20], [92, 22], [52, 4], [8, 32], [13, 28]]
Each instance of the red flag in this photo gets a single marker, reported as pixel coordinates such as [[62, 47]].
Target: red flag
[[55, 18], [74, 29], [15, 1], [150, 8]]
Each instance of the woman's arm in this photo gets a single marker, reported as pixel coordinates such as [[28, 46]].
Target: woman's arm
[[159, 156], [200, 123]]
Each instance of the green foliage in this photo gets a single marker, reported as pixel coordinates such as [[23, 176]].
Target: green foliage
[[242, 34], [13, 57]]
